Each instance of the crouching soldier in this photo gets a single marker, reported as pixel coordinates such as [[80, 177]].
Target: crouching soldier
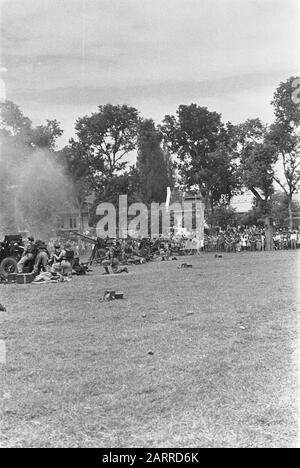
[[112, 261], [28, 254], [56, 258], [67, 260], [42, 258], [62, 260]]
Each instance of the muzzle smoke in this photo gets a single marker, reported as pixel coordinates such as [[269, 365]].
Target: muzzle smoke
[[34, 192]]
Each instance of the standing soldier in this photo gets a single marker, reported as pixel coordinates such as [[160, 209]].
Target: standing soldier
[[42, 258], [28, 254]]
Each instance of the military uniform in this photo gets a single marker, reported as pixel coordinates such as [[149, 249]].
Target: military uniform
[[112, 260], [42, 258], [28, 255]]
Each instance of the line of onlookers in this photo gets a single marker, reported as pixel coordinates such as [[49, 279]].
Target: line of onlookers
[[250, 239]]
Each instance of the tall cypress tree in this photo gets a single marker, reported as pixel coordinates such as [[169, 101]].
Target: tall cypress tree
[[151, 164]]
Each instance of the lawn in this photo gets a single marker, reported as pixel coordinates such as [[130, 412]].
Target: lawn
[[200, 357]]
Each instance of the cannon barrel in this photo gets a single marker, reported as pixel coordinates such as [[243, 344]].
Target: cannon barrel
[[89, 239]]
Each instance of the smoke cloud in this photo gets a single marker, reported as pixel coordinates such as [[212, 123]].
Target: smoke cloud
[[34, 192]]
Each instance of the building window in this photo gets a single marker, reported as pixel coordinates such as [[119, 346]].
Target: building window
[[73, 223]]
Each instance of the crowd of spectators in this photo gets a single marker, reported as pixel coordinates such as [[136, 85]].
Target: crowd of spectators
[[250, 239]]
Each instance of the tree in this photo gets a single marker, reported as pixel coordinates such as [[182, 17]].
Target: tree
[[222, 175], [17, 130], [96, 161], [251, 217], [223, 216], [106, 137], [280, 208], [151, 164], [127, 183], [13, 122], [77, 169], [170, 165], [200, 141], [285, 136], [45, 136], [257, 158], [20, 143], [279, 211]]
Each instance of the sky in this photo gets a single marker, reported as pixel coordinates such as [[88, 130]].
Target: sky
[[62, 58]]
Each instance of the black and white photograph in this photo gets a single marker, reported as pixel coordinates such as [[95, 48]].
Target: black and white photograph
[[149, 226]]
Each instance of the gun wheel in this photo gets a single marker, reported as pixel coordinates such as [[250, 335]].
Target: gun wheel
[[8, 265]]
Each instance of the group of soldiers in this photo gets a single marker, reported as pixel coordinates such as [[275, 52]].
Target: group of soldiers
[[37, 256], [114, 253]]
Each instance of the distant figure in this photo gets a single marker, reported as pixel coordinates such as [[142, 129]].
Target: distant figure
[[293, 239]]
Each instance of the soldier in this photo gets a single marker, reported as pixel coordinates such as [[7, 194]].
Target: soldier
[[28, 254], [56, 258], [42, 258], [112, 260], [67, 260]]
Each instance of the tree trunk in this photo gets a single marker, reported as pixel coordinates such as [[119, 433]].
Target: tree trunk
[[291, 223], [268, 233], [80, 218], [80, 225]]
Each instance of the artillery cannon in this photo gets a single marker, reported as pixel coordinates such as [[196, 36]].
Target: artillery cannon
[[99, 249], [11, 250]]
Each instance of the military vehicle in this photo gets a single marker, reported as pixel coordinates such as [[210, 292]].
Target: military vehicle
[[11, 250]]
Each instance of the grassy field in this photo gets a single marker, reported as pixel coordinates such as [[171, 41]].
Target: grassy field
[[222, 368]]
